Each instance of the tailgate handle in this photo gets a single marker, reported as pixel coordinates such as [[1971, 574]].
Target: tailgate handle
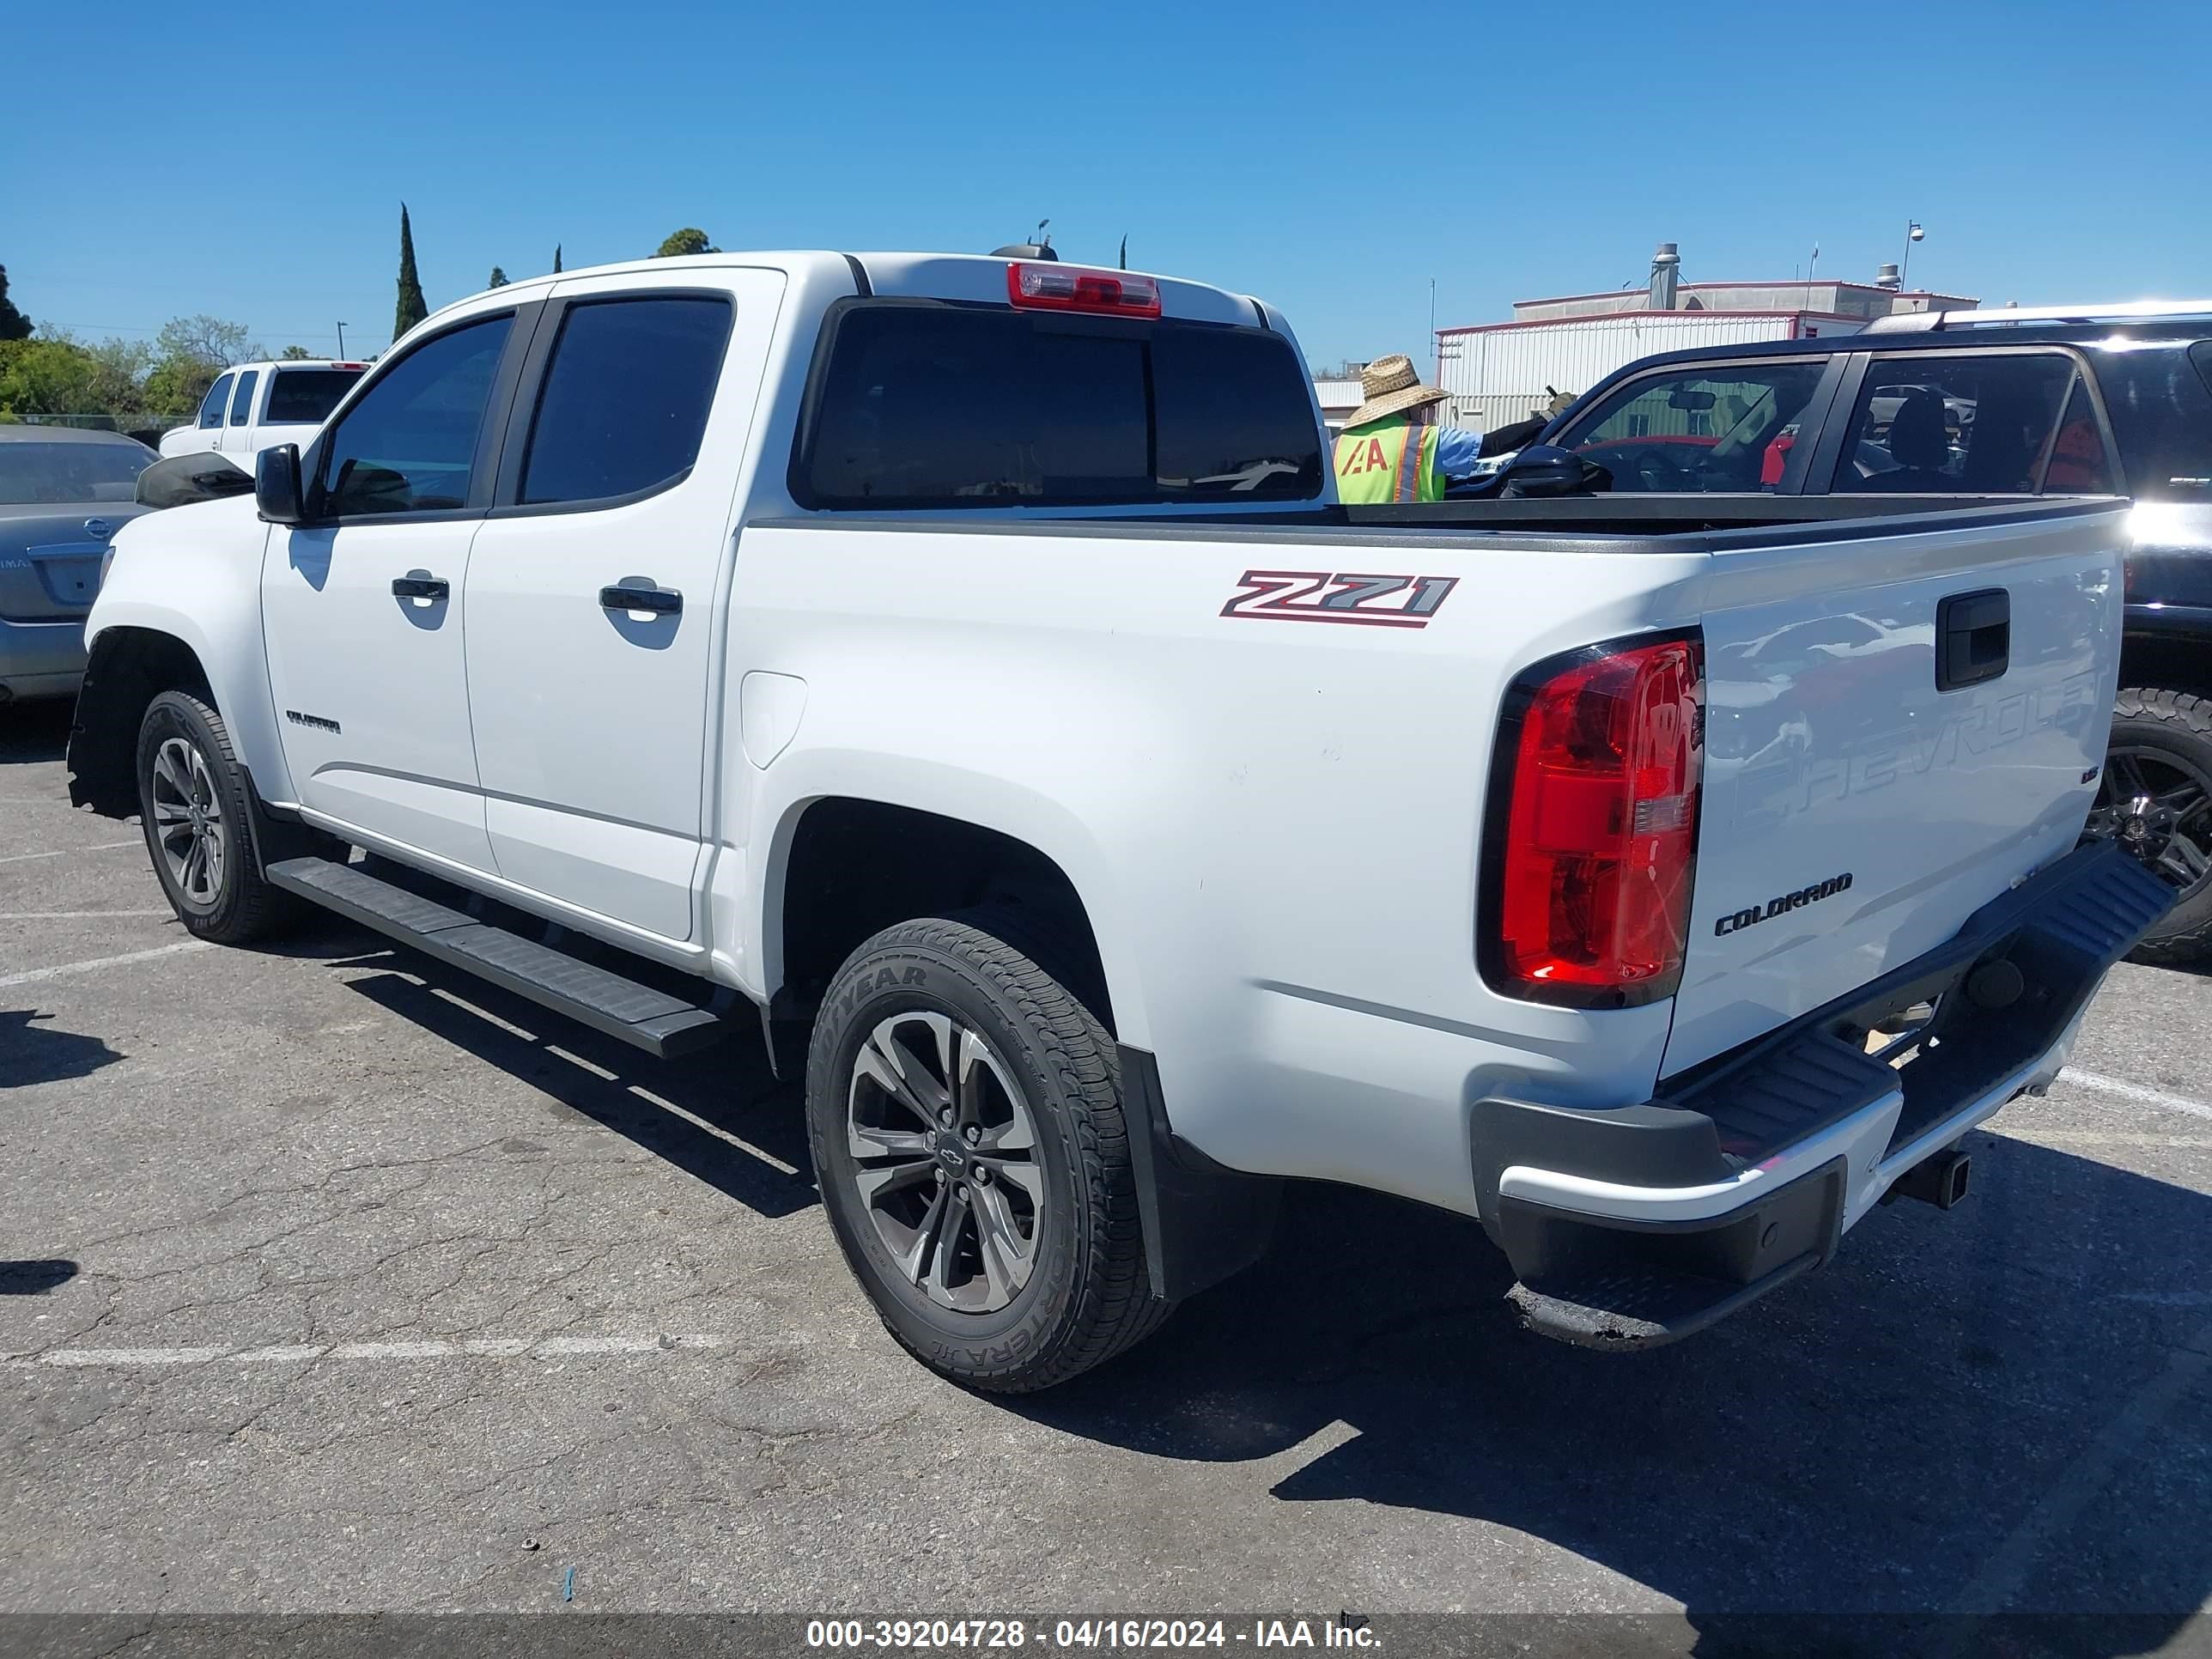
[[1974, 638]]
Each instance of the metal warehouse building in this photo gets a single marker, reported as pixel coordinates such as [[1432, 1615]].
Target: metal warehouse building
[[1502, 372]]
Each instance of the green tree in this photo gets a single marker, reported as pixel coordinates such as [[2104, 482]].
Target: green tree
[[411, 308], [13, 325], [689, 240], [206, 339], [498, 278], [557, 258], [57, 375], [294, 354]]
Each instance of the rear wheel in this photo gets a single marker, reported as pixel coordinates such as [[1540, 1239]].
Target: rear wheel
[[197, 812], [2155, 801], [965, 1114]]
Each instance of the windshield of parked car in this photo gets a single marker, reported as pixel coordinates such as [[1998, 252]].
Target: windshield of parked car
[[67, 473], [305, 396]]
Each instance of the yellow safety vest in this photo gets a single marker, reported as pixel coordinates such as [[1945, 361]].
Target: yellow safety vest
[[1374, 463]]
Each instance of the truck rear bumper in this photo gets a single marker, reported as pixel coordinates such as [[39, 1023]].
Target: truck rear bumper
[[1638, 1226]]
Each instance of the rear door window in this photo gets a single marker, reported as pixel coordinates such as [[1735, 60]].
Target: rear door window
[[217, 399], [242, 400], [2159, 395], [1716, 426], [626, 397], [2078, 464], [1977, 425], [927, 405], [305, 396]]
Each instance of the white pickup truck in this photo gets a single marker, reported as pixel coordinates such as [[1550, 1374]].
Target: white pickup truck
[[965, 658], [253, 406]]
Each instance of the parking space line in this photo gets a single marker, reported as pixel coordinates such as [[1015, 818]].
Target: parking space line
[[2124, 1091], [75, 915], [30, 976], [64, 851], [473, 1347]]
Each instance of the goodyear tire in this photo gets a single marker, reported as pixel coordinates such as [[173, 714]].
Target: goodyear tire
[[964, 1111], [197, 816]]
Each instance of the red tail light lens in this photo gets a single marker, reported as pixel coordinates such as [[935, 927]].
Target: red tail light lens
[[1590, 900], [1072, 288]]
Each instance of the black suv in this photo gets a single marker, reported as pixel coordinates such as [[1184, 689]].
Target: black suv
[[2092, 401]]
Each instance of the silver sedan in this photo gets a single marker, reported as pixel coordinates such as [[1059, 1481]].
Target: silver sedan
[[63, 492]]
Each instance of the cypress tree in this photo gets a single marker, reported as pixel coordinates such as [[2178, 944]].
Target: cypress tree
[[557, 258], [411, 309]]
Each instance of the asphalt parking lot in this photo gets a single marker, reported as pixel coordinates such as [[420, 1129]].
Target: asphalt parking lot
[[335, 1282]]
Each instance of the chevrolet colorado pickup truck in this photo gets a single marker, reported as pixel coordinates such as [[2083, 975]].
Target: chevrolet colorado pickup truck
[[963, 663]]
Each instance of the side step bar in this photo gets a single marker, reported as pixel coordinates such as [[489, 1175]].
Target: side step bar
[[655, 1021]]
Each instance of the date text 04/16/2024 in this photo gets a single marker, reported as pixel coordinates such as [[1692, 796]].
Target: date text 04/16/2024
[[1343, 1630]]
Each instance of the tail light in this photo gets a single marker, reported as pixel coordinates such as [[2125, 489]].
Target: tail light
[[1593, 822], [1072, 288]]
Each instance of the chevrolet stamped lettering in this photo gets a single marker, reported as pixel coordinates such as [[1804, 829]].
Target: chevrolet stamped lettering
[[1785, 902]]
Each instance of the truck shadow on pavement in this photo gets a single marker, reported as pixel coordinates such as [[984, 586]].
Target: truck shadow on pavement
[[35, 732], [2001, 1406]]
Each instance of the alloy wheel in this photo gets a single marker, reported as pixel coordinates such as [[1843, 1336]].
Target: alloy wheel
[[2159, 811], [946, 1160], [188, 821]]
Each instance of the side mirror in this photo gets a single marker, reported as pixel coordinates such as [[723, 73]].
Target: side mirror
[[276, 489], [1544, 470]]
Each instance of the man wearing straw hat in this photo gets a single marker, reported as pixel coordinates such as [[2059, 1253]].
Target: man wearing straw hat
[[1391, 449]]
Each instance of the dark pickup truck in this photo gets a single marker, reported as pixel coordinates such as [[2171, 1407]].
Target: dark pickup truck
[[2085, 400]]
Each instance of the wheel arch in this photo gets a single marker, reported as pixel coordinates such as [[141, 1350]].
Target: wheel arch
[[2165, 662], [841, 866]]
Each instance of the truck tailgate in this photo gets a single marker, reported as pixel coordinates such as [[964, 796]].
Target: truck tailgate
[[1899, 726]]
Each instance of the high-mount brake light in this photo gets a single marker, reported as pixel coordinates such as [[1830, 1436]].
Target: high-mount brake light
[[1071, 288], [1589, 903]]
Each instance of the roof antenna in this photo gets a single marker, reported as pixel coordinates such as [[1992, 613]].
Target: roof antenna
[[1039, 246]]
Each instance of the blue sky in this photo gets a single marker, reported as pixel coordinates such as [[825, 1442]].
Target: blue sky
[[1333, 159]]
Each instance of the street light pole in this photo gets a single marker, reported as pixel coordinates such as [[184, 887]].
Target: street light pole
[[1912, 234], [341, 342]]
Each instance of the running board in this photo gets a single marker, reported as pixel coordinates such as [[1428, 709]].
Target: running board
[[653, 1021]]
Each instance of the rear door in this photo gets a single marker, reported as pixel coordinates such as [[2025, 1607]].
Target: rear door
[[1900, 722], [594, 629]]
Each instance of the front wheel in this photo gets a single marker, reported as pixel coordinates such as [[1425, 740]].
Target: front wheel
[[965, 1115], [2155, 801], [196, 809]]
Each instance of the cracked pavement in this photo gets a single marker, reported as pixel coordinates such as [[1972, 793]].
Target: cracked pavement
[[340, 1148]]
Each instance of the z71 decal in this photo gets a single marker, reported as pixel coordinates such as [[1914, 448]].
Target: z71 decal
[[1317, 596]]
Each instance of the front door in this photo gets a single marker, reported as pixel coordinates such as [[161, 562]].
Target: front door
[[592, 587], [236, 437], [364, 604]]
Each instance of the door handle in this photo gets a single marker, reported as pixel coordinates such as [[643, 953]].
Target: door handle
[[420, 588], [666, 601], [1974, 638]]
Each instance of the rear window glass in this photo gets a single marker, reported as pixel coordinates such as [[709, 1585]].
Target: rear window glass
[[305, 396], [2161, 414], [949, 406], [1977, 425], [626, 398], [70, 473]]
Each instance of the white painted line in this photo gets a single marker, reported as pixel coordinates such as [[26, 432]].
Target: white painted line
[[64, 851], [2006, 1572], [30, 976], [2124, 1091], [75, 915], [473, 1347]]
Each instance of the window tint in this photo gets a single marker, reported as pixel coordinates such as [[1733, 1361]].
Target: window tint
[[957, 406], [2078, 465], [410, 444], [626, 397], [70, 472], [306, 397], [1724, 426], [1972, 425], [2156, 396], [217, 399], [242, 400]]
